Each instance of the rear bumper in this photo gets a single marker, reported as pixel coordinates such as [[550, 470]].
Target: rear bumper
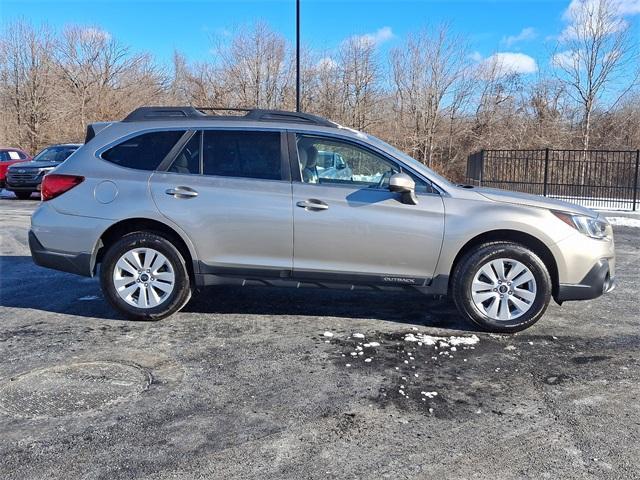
[[80, 264], [595, 283]]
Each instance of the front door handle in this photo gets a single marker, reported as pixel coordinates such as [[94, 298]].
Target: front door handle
[[312, 204], [182, 192]]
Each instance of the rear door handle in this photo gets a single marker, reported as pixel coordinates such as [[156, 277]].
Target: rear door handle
[[182, 192], [313, 204]]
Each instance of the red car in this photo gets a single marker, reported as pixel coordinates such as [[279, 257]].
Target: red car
[[9, 156]]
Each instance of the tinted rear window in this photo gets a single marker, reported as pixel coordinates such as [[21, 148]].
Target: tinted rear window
[[55, 154], [242, 154], [143, 152]]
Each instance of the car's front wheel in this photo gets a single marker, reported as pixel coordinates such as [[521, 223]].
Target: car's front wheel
[[144, 276], [501, 287]]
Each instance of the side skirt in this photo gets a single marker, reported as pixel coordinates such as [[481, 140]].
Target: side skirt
[[210, 276]]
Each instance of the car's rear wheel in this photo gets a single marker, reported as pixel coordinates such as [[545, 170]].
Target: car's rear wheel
[[501, 287], [144, 276], [23, 195]]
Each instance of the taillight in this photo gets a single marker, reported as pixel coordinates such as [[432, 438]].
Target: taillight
[[55, 184]]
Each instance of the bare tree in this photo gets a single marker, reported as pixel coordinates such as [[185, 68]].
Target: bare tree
[[434, 101], [595, 51], [428, 71], [359, 72], [256, 65], [101, 74], [26, 83]]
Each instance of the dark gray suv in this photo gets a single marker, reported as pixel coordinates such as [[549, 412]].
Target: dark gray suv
[[171, 199], [25, 178]]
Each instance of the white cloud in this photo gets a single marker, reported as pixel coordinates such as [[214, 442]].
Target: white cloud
[[476, 56], [93, 33], [581, 16], [564, 59], [528, 33], [511, 62], [326, 63], [376, 38], [629, 7], [622, 7]]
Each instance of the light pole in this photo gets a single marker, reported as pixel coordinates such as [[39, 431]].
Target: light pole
[[297, 55]]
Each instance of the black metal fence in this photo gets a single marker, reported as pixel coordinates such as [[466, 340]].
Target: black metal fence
[[593, 178]]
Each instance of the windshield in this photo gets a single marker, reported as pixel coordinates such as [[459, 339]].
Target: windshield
[[55, 154], [410, 160]]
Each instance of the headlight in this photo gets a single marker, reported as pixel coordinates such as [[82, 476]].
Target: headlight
[[593, 227]]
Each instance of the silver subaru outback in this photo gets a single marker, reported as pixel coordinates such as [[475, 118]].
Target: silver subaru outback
[[171, 199]]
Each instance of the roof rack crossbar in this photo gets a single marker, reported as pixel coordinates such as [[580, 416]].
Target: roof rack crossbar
[[255, 114]]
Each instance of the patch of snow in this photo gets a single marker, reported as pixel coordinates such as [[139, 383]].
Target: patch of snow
[[624, 221], [429, 394], [357, 335], [348, 365], [367, 360], [510, 347], [328, 334], [441, 341], [371, 344]]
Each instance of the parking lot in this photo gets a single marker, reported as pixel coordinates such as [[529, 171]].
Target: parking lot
[[276, 383]]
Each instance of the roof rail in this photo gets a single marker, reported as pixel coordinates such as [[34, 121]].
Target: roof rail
[[256, 114]]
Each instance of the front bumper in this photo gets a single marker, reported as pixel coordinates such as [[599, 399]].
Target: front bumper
[[596, 282], [23, 186], [80, 264]]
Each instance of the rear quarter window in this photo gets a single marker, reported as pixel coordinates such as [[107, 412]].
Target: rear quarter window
[[145, 151]]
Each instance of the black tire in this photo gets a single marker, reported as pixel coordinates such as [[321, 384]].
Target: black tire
[[23, 195], [177, 299], [470, 264]]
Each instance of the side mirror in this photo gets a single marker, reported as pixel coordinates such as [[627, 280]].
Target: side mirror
[[341, 166], [404, 184]]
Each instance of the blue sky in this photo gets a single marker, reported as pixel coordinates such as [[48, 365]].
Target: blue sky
[[160, 26]]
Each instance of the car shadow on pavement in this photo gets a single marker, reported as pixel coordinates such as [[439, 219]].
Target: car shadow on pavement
[[408, 307], [25, 285]]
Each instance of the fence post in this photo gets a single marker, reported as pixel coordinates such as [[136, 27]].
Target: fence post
[[481, 174], [635, 181], [545, 187]]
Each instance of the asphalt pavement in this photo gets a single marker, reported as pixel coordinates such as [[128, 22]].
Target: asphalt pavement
[[265, 383]]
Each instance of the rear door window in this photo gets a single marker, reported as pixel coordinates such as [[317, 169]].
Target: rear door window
[[188, 160], [245, 154], [143, 152]]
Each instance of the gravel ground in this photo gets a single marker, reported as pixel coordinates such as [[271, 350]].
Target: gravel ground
[[276, 383]]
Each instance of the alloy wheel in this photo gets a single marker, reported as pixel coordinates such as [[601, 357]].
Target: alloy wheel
[[503, 289], [144, 278]]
